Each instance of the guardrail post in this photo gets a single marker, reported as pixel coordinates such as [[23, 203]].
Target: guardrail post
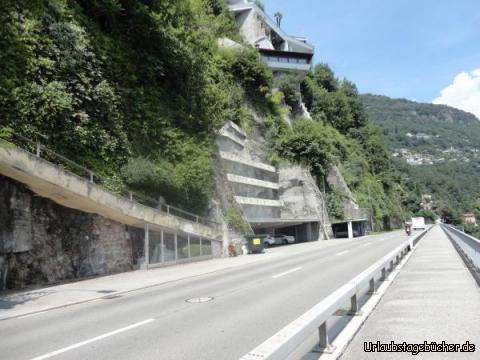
[[372, 290], [324, 345], [390, 268], [384, 274], [354, 309]]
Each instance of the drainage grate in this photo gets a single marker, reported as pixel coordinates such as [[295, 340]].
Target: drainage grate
[[198, 300]]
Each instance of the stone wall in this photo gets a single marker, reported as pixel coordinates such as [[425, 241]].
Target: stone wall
[[43, 242]]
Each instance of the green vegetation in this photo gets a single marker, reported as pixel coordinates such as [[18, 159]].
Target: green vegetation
[[432, 128], [340, 133], [236, 222], [451, 177], [128, 87], [135, 91], [312, 144], [289, 86], [335, 200]]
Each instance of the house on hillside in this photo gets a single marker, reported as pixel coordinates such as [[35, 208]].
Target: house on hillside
[[469, 218], [282, 52]]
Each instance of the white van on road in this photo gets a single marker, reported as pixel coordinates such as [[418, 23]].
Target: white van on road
[[418, 223]]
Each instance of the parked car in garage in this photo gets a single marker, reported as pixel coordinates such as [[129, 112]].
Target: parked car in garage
[[344, 233], [278, 240]]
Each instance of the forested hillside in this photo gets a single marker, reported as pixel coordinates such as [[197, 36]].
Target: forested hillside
[[342, 134], [432, 133], [136, 91], [133, 90], [441, 142]]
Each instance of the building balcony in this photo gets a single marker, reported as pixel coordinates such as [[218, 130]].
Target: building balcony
[[287, 60]]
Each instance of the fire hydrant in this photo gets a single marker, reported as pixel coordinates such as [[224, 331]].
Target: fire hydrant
[[231, 249]]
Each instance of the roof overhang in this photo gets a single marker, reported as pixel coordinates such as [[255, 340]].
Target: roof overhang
[[347, 221], [279, 223]]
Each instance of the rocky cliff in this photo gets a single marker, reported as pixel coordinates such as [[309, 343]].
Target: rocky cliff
[[43, 242]]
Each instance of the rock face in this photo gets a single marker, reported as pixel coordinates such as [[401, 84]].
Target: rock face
[[43, 242], [299, 194]]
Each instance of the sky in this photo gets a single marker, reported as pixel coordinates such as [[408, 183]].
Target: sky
[[423, 50]]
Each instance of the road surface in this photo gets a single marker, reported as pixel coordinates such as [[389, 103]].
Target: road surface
[[249, 305]]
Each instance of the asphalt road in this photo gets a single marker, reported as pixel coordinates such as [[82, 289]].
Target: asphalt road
[[249, 305]]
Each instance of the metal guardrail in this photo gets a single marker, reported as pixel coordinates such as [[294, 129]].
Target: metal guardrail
[[281, 345], [41, 151], [467, 244]]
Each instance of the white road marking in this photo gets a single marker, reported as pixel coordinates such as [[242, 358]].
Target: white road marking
[[286, 272], [77, 345], [341, 253], [32, 314]]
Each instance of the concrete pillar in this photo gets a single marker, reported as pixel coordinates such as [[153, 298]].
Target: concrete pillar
[[350, 230], [162, 246], [147, 248], [309, 231], [3, 273]]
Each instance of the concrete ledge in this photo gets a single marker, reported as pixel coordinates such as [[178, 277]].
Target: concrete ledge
[[70, 190], [256, 201], [248, 162], [231, 137], [251, 181], [237, 129]]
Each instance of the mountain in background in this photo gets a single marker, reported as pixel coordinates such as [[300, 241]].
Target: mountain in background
[[437, 146], [425, 133]]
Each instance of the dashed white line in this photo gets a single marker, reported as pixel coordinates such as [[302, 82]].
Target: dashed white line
[[100, 337], [341, 253], [286, 272]]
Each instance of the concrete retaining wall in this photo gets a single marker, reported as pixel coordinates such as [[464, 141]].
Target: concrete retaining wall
[[72, 191], [43, 242]]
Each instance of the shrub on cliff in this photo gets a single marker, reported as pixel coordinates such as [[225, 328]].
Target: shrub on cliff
[[313, 144]]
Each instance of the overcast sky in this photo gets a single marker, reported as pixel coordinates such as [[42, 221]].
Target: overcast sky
[[423, 50]]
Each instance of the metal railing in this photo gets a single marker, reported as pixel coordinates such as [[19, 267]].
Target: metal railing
[[110, 184], [281, 345], [468, 246]]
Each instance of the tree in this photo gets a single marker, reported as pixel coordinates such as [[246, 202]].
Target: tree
[[312, 144]]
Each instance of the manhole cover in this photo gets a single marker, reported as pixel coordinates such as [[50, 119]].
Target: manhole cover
[[105, 291], [198, 300]]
